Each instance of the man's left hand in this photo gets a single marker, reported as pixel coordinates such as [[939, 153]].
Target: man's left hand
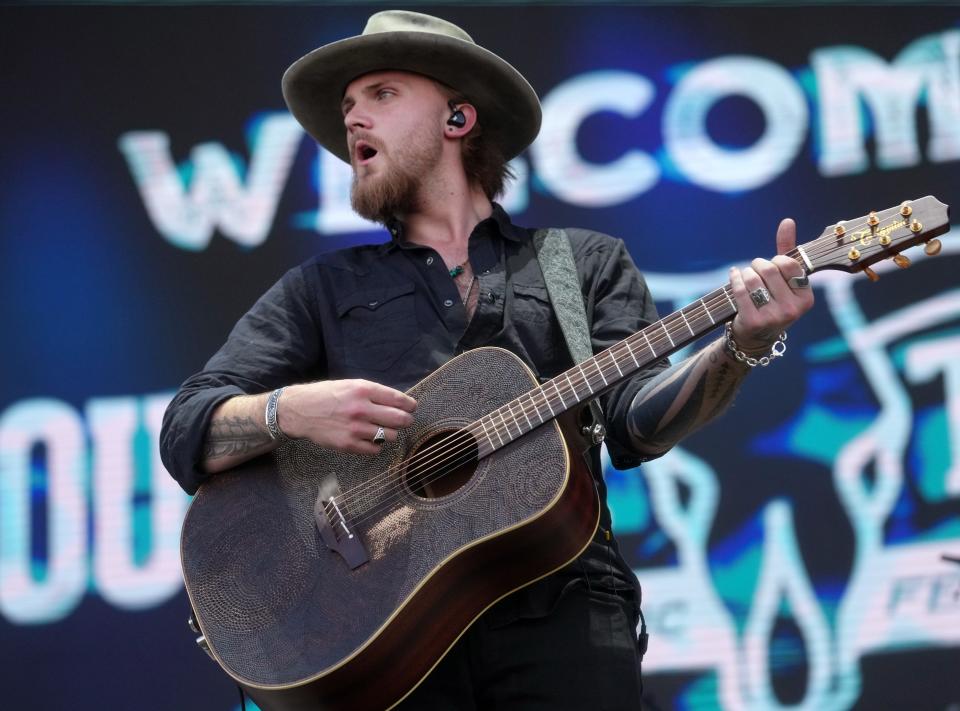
[[758, 323]]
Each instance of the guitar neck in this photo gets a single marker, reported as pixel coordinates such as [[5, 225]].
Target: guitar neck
[[604, 370], [848, 245]]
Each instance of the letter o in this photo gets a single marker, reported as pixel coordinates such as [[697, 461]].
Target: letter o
[[711, 166]]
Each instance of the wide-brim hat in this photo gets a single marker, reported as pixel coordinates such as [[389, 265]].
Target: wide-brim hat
[[507, 106]]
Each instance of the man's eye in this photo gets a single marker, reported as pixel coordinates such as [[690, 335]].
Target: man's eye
[[384, 93]]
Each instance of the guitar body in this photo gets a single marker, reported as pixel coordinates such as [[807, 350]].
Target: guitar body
[[300, 627]]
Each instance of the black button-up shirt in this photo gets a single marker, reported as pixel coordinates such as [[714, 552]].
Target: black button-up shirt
[[391, 313]]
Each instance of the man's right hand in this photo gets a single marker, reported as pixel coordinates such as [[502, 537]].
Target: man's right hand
[[344, 414], [336, 414]]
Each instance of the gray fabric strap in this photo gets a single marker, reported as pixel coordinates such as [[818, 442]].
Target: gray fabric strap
[[563, 285]]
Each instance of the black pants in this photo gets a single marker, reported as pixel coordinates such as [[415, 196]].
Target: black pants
[[582, 655]]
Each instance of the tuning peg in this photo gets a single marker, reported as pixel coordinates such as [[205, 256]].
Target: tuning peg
[[933, 248], [871, 275], [901, 261]]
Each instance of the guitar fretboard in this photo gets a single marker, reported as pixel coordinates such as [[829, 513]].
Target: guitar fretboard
[[601, 372]]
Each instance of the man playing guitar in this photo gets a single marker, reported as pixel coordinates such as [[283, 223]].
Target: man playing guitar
[[428, 121]]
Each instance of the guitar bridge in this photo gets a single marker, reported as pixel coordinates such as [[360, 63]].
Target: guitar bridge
[[337, 532]]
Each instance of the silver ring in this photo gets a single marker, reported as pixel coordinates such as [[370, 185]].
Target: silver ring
[[760, 297], [380, 437], [799, 282]]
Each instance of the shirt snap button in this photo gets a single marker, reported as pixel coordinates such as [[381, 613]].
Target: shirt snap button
[[429, 261], [371, 304], [448, 303]]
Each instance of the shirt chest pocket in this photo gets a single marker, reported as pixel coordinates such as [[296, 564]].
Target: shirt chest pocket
[[531, 303], [379, 325], [535, 324]]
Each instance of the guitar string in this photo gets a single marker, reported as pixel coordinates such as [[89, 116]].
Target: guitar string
[[575, 377], [456, 457], [454, 454], [606, 364], [442, 448]]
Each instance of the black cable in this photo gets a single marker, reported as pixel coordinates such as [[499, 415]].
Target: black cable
[[642, 640]]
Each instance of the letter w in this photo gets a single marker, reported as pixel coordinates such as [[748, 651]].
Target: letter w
[[207, 192]]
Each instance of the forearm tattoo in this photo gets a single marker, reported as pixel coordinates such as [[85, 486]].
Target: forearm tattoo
[[234, 435], [682, 399]]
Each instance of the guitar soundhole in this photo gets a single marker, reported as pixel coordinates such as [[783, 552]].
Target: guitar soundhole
[[441, 464]]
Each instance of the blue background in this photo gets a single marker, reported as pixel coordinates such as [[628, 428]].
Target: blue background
[[96, 302]]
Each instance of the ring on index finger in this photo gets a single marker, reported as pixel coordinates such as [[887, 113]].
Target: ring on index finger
[[799, 282], [380, 437]]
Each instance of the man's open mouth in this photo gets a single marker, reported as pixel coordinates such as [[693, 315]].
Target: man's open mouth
[[364, 152]]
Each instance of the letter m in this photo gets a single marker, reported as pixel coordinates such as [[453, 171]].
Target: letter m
[[927, 70], [187, 203]]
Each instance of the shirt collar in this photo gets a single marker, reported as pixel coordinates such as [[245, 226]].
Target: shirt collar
[[506, 227]]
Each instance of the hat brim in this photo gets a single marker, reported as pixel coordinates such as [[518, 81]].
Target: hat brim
[[507, 106]]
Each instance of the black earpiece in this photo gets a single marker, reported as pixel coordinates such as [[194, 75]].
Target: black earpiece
[[457, 119]]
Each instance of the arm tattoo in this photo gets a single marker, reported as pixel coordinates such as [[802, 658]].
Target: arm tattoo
[[234, 435], [681, 400]]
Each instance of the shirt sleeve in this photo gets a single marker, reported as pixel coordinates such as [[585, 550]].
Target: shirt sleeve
[[619, 304], [277, 342]]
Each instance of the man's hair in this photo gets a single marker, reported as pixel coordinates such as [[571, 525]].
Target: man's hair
[[483, 160]]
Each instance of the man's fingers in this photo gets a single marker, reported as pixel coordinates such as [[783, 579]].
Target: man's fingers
[[773, 279], [741, 290], [749, 280], [788, 267], [786, 236], [384, 416], [382, 395]]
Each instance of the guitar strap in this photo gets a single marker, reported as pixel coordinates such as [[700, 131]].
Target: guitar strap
[[560, 276]]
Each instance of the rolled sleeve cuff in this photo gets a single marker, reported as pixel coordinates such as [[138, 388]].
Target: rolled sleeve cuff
[[184, 432]]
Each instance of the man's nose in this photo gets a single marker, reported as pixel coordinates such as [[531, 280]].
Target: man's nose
[[356, 117]]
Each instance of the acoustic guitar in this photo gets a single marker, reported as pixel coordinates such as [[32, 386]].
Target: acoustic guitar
[[325, 580]]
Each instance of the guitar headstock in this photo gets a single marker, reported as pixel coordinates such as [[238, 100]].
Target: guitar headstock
[[853, 245]]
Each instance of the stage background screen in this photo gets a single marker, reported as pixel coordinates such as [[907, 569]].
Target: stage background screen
[[154, 186]]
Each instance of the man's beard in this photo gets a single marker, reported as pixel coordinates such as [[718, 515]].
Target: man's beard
[[396, 192]]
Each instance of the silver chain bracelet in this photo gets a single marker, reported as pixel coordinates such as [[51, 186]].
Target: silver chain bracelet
[[776, 350]]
